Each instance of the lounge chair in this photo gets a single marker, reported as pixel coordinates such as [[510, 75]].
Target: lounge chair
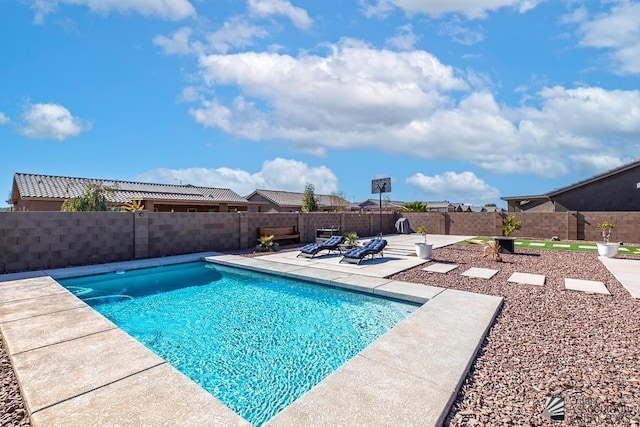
[[372, 248], [312, 249]]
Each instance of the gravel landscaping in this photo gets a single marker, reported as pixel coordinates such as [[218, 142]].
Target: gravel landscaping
[[12, 410], [545, 342]]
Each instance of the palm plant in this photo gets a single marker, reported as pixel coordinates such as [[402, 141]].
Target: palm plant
[[351, 238], [416, 206]]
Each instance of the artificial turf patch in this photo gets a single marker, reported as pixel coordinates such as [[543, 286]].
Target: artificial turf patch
[[589, 247]]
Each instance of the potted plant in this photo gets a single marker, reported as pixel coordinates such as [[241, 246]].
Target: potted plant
[[423, 249], [350, 239], [267, 244], [605, 248], [507, 243]]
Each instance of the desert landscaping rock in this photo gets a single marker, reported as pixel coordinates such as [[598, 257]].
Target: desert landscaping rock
[[547, 341]]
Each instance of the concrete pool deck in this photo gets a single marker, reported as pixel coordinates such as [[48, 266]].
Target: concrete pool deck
[[76, 368]]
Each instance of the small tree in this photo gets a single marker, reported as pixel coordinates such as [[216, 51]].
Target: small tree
[[94, 198], [510, 224], [309, 201]]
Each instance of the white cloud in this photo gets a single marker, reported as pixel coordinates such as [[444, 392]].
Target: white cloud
[[178, 43], [277, 174], [596, 161], [472, 9], [590, 112], [267, 8], [165, 9], [460, 33], [356, 96], [235, 33], [338, 100], [50, 121], [465, 186], [404, 40], [576, 16], [3, 119], [619, 32]]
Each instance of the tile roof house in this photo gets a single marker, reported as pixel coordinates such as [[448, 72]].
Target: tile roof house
[[287, 201], [33, 192], [374, 204], [613, 190], [441, 206]]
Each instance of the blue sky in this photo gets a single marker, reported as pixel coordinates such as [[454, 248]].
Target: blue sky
[[459, 100]]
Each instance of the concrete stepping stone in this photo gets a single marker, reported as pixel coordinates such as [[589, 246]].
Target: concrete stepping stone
[[623, 249], [439, 267], [537, 244], [560, 245], [480, 273], [587, 286], [527, 279], [587, 247]]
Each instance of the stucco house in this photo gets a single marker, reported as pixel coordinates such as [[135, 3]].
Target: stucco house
[[387, 205], [287, 201], [32, 192], [613, 190]]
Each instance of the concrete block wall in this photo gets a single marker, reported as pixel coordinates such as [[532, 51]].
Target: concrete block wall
[[37, 240], [474, 223], [435, 222], [368, 224], [546, 225], [175, 233], [256, 220], [627, 226]]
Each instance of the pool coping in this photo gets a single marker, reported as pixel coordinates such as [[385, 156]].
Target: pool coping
[[74, 367]]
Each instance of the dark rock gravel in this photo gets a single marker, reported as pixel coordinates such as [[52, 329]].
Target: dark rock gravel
[[12, 410], [545, 342]]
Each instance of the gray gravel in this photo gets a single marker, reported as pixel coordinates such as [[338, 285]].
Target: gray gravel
[[545, 342]]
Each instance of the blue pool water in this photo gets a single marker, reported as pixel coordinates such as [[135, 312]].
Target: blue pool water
[[255, 341]]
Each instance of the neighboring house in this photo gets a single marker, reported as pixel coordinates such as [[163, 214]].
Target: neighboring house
[[613, 190], [441, 206], [493, 209], [374, 204], [47, 193], [287, 201]]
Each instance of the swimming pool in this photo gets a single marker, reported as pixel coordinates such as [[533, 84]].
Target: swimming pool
[[255, 341]]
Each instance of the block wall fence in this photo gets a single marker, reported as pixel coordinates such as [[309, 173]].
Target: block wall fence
[[44, 240]]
